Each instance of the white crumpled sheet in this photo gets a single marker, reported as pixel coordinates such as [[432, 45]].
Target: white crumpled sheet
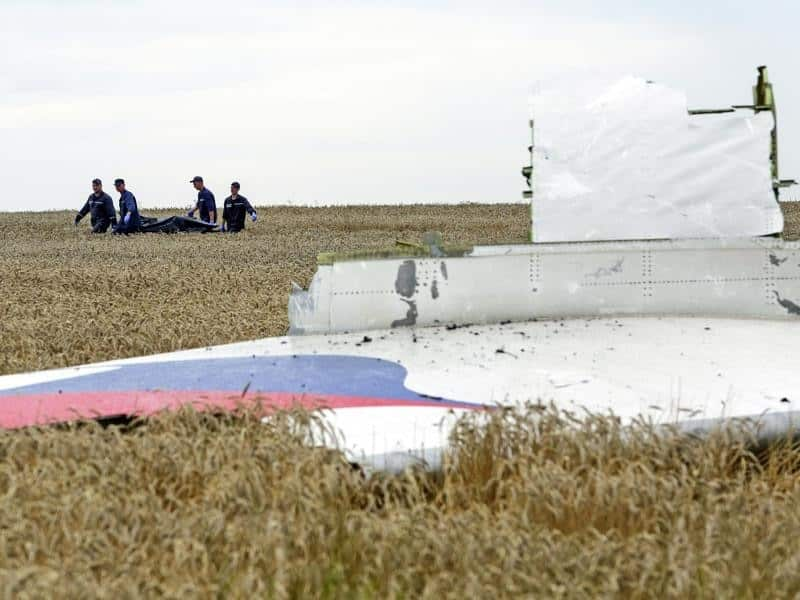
[[626, 161]]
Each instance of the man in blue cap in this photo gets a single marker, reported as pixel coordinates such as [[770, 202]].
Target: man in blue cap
[[234, 210], [101, 207], [128, 210], [206, 204]]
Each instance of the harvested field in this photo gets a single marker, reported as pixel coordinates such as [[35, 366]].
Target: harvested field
[[530, 504]]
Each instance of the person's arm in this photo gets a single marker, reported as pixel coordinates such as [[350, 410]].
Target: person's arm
[[82, 213], [197, 207], [130, 206], [250, 210], [226, 215], [110, 210], [211, 203]]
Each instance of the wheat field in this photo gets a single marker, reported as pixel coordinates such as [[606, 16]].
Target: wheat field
[[530, 503], [70, 297]]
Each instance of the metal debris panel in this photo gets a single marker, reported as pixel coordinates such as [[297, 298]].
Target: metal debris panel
[[748, 278], [394, 394], [626, 160]]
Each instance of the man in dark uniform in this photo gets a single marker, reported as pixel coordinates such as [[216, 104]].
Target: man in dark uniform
[[128, 210], [206, 203], [234, 210], [101, 207]]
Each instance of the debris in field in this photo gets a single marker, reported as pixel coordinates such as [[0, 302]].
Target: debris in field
[[504, 351], [454, 326]]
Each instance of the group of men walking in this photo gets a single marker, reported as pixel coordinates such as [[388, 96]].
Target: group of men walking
[[102, 210], [234, 208], [103, 214]]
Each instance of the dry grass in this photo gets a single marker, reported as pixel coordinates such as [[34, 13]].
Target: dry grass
[[529, 505], [71, 298], [791, 215]]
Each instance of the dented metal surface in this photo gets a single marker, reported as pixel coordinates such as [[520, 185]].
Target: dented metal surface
[[750, 278]]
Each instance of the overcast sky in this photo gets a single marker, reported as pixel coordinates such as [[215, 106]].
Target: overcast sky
[[341, 102]]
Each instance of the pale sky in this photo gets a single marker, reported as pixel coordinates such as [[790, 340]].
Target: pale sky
[[341, 102]]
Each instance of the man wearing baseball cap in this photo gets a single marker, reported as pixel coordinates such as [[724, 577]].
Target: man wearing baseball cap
[[206, 203], [234, 210], [101, 207]]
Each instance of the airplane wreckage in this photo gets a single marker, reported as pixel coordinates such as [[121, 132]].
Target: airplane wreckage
[[656, 285]]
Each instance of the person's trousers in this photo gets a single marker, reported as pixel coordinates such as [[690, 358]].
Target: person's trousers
[[132, 226], [101, 226]]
